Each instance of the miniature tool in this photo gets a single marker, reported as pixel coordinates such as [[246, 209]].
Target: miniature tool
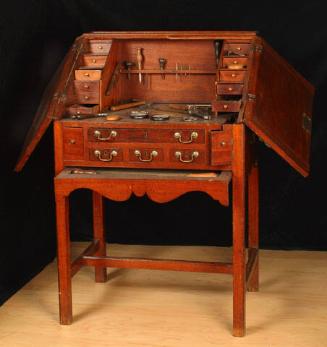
[[162, 64], [128, 65], [139, 59]]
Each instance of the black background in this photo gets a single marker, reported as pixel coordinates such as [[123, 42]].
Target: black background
[[35, 35]]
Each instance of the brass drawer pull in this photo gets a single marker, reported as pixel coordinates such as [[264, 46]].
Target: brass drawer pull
[[194, 135], [113, 154], [178, 155], [97, 135], [153, 154]]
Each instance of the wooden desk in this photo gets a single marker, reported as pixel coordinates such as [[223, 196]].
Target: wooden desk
[[206, 99]]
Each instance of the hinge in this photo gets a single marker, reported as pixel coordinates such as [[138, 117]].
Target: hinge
[[306, 122], [257, 48]]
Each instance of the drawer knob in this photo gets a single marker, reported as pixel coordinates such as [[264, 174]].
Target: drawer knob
[[86, 74], [238, 48], [233, 74], [112, 134], [153, 154], [223, 143], [179, 156], [112, 154], [72, 141], [94, 60], [86, 86], [225, 107], [230, 89], [86, 97], [235, 62], [194, 135], [100, 47]]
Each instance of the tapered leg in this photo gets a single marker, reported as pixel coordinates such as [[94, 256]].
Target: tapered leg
[[253, 224], [239, 276], [64, 264], [99, 234]]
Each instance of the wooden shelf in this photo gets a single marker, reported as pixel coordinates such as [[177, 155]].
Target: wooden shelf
[[170, 71]]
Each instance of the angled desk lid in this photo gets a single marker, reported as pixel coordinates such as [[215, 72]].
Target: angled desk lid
[[279, 109], [52, 103]]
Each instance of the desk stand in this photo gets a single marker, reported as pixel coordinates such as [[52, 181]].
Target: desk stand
[[161, 186]]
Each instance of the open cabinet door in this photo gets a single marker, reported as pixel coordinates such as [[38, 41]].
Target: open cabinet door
[[52, 103], [280, 107]]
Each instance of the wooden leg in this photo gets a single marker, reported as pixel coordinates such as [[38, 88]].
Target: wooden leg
[[253, 224], [239, 275], [64, 264], [99, 234]]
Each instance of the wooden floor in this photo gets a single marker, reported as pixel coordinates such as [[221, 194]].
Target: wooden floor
[[156, 308]]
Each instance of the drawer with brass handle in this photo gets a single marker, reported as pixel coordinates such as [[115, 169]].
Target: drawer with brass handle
[[87, 75], [86, 92], [229, 89], [226, 106], [94, 60], [235, 62], [187, 156], [106, 155], [232, 76], [145, 155], [237, 49], [99, 46]]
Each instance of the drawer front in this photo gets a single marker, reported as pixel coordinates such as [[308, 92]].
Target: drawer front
[[87, 92], [99, 46], [145, 155], [116, 135], [106, 155], [94, 60], [73, 144], [221, 146], [238, 49], [87, 75], [183, 136], [235, 62], [226, 106], [187, 157], [80, 109], [229, 89], [231, 76]]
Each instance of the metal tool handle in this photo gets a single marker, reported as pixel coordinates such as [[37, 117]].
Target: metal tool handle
[[178, 155], [112, 154], [178, 136], [97, 135], [153, 154]]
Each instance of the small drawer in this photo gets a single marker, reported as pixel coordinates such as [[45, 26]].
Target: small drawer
[[226, 106], [83, 109], [73, 144], [116, 135], [106, 155], [238, 49], [187, 156], [229, 89], [94, 60], [221, 147], [234, 63], [231, 76], [87, 92], [99, 46], [145, 155], [87, 75]]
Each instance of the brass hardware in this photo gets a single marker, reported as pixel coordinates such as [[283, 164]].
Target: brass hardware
[[86, 74], [225, 107], [97, 135], [86, 86], [178, 136], [86, 97], [100, 47], [178, 155], [306, 122], [235, 62], [233, 75], [94, 60], [72, 141], [238, 48], [153, 154], [112, 154], [230, 89], [85, 172], [223, 143]]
